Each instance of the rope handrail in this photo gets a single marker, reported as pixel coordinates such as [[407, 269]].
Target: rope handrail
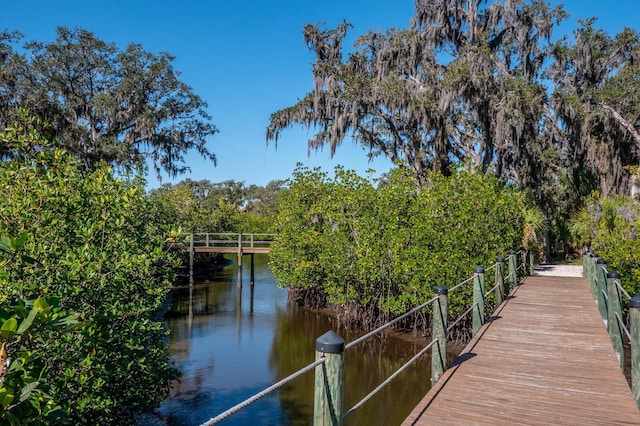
[[387, 325], [468, 280], [491, 290], [488, 268], [623, 326], [389, 379], [406, 314], [622, 290], [464, 314], [263, 393]]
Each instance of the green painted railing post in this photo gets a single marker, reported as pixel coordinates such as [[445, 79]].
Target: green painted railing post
[[614, 307], [327, 407], [591, 273], [439, 331], [500, 291], [601, 287], [634, 314], [513, 270], [478, 299], [531, 266], [586, 257]]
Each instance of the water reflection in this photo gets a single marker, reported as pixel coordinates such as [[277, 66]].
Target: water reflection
[[231, 342]]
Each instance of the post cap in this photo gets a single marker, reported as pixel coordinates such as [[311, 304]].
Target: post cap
[[441, 290], [500, 259], [601, 261], [613, 274], [635, 302], [479, 270], [589, 251], [330, 343], [593, 254]]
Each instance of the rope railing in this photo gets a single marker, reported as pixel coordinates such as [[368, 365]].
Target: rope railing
[[389, 379], [467, 281], [623, 326], [389, 324], [622, 290], [263, 393], [461, 317], [608, 292], [330, 347]]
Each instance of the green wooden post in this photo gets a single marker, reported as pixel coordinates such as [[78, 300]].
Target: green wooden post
[[585, 261], [531, 266], [499, 281], [513, 272], [327, 407], [634, 314], [601, 287], [591, 272], [478, 300], [614, 307], [439, 331]]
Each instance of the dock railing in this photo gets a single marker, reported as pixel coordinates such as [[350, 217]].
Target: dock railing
[[226, 239], [329, 349], [620, 312]]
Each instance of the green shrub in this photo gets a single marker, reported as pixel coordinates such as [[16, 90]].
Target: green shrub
[[386, 248]]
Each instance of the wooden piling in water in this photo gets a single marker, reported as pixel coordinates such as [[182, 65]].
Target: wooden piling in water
[[252, 278], [191, 255]]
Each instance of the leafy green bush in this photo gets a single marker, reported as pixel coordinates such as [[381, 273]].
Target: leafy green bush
[[28, 330], [384, 249], [99, 253], [611, 225]]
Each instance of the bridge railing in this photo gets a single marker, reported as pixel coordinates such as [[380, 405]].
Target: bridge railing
[[228, 239], [620, 312], [330, 347]]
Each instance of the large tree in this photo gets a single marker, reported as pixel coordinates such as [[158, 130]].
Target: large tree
[[597, 103], [462, 84], [124, 107]]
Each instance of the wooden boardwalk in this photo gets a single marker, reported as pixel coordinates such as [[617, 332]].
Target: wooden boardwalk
[[544, 359]]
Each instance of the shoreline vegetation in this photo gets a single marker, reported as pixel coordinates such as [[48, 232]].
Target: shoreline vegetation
[[371, 253]]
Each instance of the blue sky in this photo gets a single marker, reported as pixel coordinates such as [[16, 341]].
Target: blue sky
[[247, 59]]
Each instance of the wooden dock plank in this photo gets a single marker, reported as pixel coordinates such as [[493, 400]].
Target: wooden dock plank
[[545, 358]]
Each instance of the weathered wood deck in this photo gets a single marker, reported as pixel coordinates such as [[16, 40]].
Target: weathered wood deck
[[544, 359]]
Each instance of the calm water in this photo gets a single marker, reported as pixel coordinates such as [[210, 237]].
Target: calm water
[[231, 343]]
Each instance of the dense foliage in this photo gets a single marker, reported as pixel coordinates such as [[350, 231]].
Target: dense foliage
[[229, 206], [610, 225], [93, 245], [125, 107], [369, 250]]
